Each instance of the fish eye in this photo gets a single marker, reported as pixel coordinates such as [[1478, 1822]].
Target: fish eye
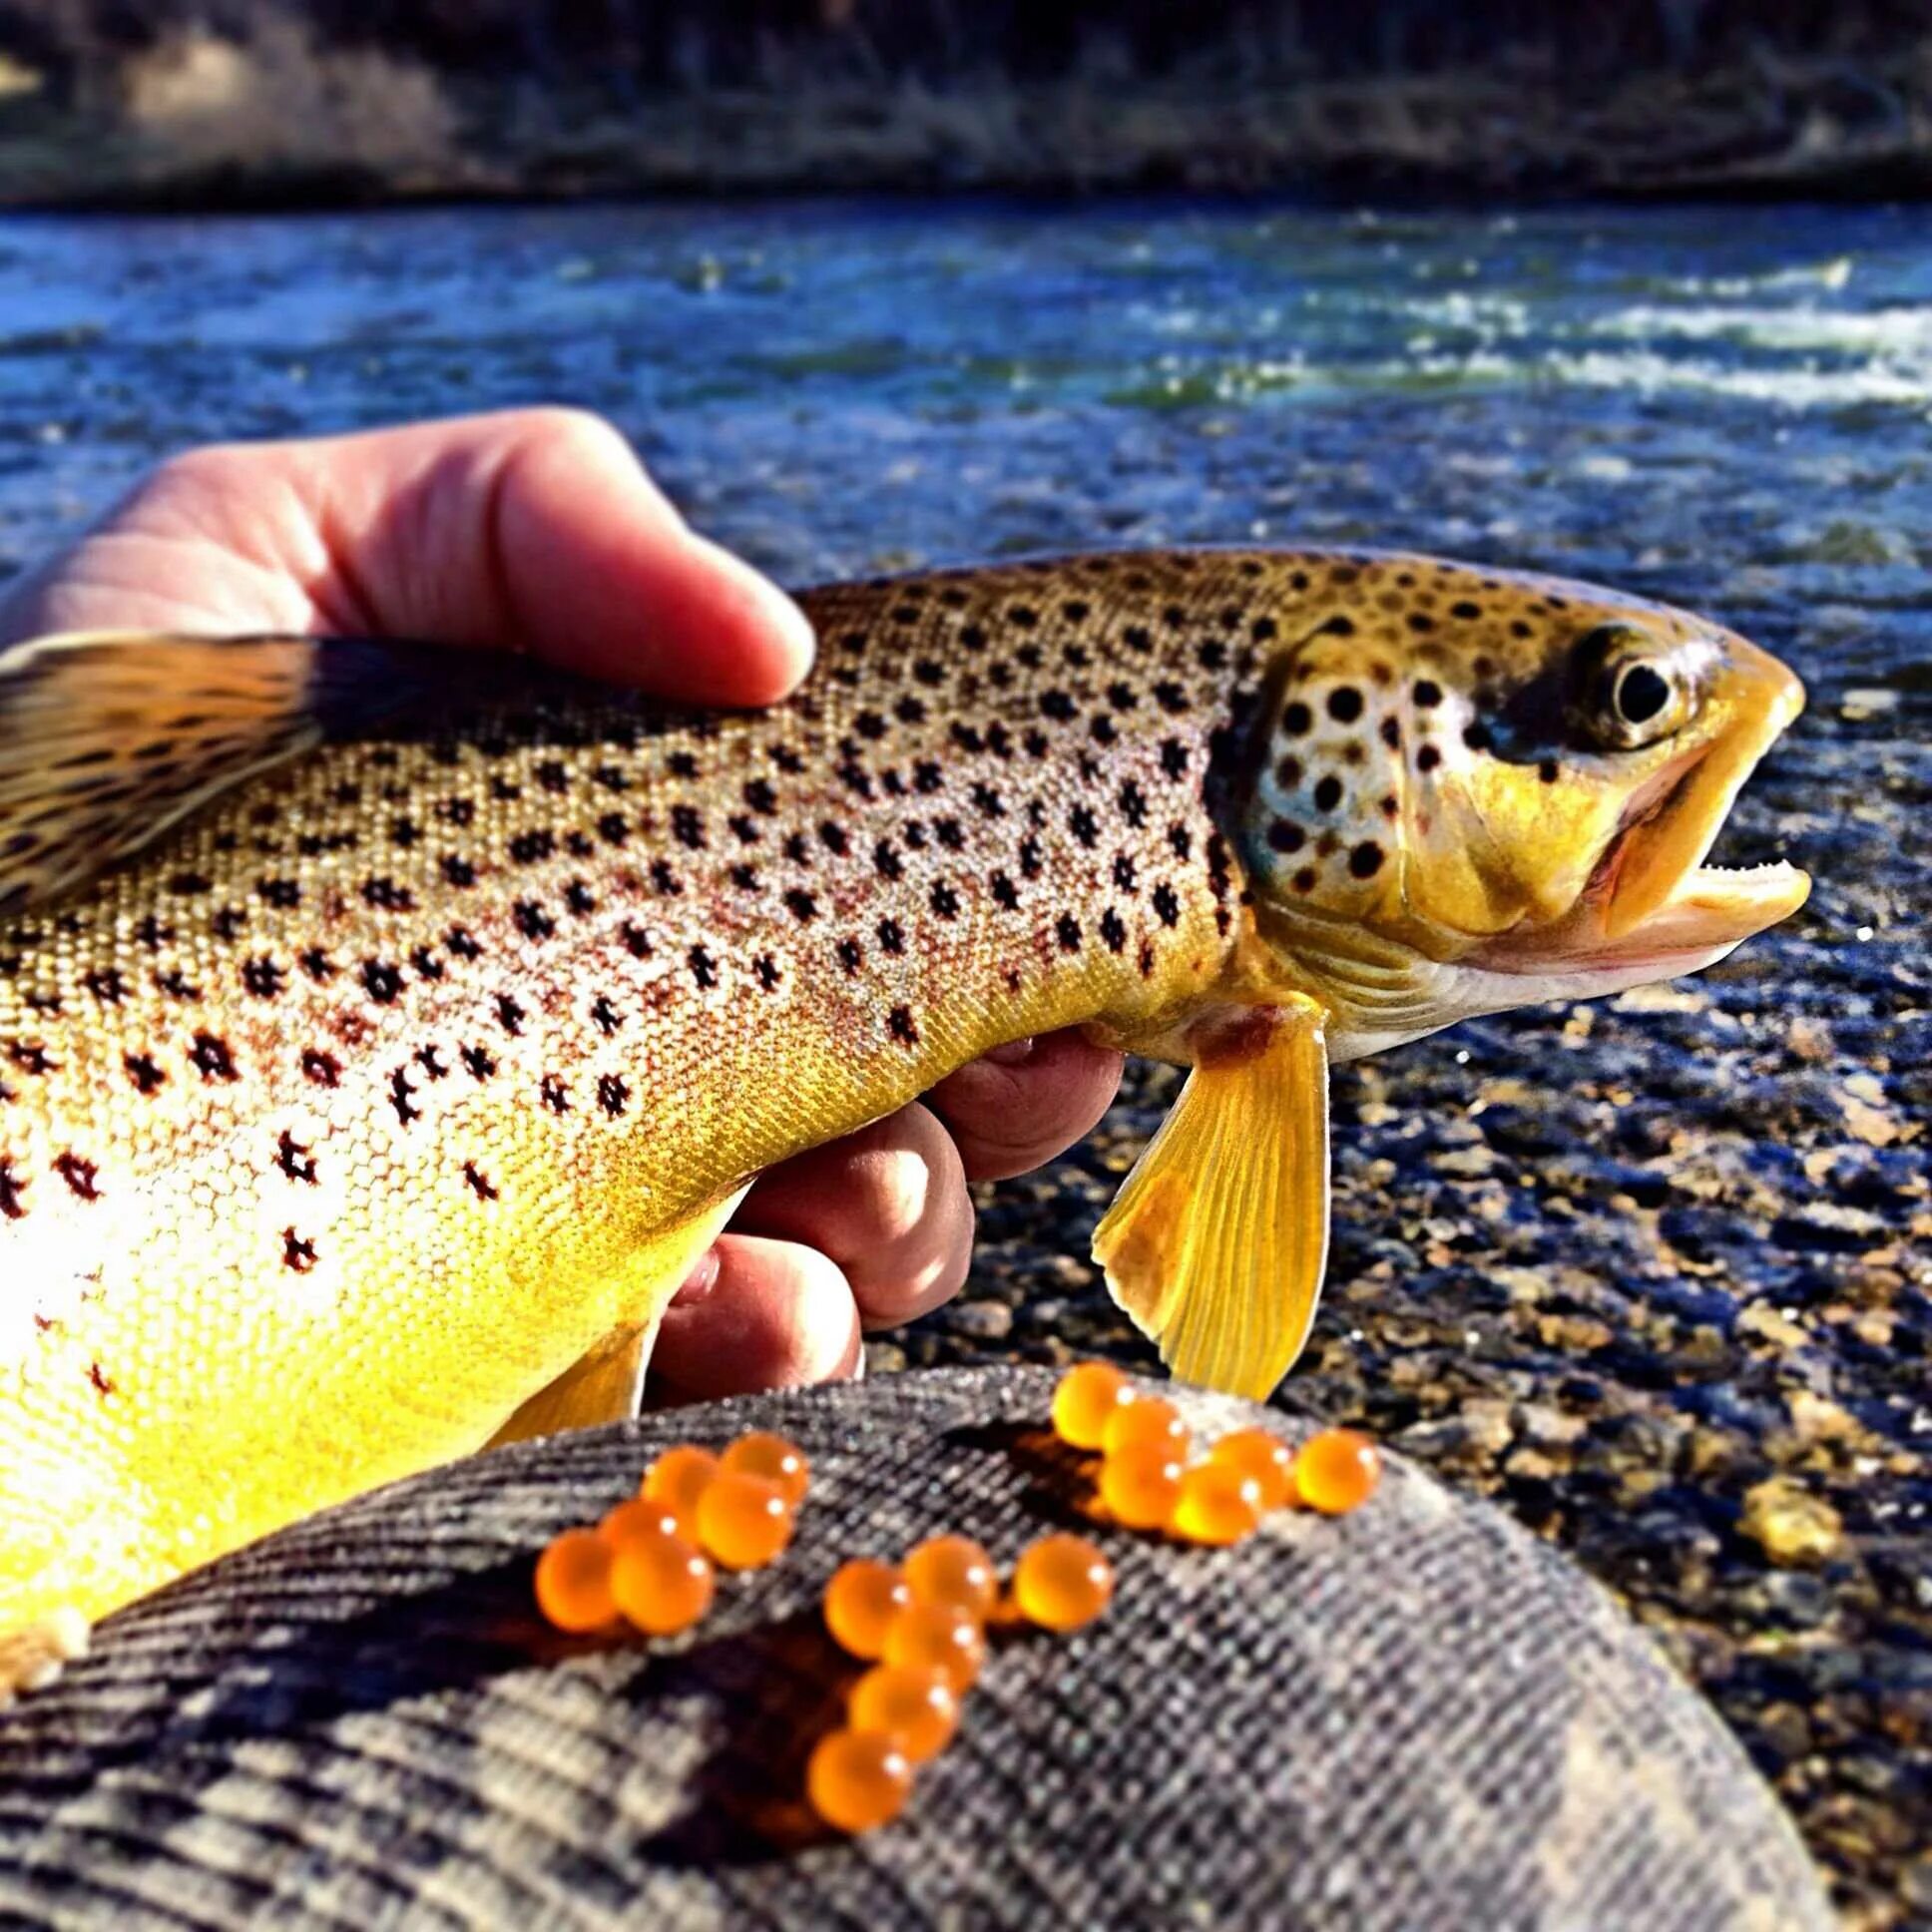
[[1630, 688]]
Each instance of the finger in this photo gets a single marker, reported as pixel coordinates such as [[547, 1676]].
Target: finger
[[1024, 1104], [531, 530], [888, 1204], [757, 1315]]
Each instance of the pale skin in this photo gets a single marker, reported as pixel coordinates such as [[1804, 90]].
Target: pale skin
[[537, 531]]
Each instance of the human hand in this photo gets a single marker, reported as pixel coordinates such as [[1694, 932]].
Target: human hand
[[536, 530]]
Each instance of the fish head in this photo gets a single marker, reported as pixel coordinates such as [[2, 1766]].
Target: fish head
[[1507, 775]]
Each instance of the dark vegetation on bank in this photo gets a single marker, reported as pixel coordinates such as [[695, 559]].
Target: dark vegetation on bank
[[193, 102]]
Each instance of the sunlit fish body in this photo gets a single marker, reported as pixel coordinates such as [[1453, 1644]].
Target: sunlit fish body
[[382, 1036]]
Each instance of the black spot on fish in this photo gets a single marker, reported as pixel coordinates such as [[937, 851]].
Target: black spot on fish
[[211, 1057], [147, 1076], [297, 1254], [294, 1159], [1344, 704], [479, 1182], [1124, 876], [402, 1095], [321, 1069], [1285, 836], [1067, 932], [13, 1191], [82, 1176], [263, 978], [943, 899], [1366, 859], [899, 1023], [1428, 693], [478, 1063], [801, 905], [1327, 793], [532, 920], [381, 980], [704, 969], [892, 936], [765, 970], [554, 1094], [613, 1094], [510, 1016], [1166, 907], [1112, 931]]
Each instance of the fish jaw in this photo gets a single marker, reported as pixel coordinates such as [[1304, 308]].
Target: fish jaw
[[1652, 908]]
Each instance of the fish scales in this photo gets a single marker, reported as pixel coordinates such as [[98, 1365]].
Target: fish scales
[[370, 1097]]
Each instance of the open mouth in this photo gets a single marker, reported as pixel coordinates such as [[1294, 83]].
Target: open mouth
[[1654, 893]]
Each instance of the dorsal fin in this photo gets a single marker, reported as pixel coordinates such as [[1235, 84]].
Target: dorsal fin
[[108, 738]]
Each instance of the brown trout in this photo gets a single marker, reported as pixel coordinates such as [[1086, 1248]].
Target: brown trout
[[383, 1035]]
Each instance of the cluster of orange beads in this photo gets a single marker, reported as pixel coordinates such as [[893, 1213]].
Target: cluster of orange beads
[[1150, 1480], [652, 1560], [921, 1627]]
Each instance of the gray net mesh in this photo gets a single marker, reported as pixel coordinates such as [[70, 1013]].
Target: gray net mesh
[[1414, 1717]]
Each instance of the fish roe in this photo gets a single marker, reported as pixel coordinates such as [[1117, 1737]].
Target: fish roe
[[953, 1570], [1144, 1419], [1083, 1399], [856, 1780], [679, 1477], [862, 1599], [760, 1453], [574, 1581], [918, 1708], [1062, 1582], [1264, 1455], [1338, 1470], [660, 1582], [1142, 1485], [744, 1521], [1218, 1504], [936, 1637], [639, 1515]]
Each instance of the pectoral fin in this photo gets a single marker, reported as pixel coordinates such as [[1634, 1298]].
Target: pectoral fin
[[1217, 1243]]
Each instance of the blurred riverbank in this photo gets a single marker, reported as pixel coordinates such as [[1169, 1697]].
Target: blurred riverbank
[[277, 114]]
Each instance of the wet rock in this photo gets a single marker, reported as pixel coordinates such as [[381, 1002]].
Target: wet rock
[[1792, 1524]]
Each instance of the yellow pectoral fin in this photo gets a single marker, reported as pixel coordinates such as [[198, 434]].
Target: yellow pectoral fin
[[1217, 1243]]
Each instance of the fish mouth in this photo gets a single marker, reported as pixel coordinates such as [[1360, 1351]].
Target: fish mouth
[[1652, 901]]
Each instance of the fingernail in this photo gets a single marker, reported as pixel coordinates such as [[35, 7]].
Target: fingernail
[[1016, 1053], [699, 1284]]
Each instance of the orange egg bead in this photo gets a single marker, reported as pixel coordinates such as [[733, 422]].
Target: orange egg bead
[[679, 1477], [574, 1581], [856, 1780], [1062, 1582], [1217, 1504], [861, 1600], [936, 1637], [638, 1516], [744, 1521], [1264, 1456], [1141, 1484], [661, 1582], [1083, 1399], [760, 1453], [953, 1570], [918, 1708], [1146, 1419], [1338, 1470]]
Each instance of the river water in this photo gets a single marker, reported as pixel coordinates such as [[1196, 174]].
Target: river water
[[1618, 1268]]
